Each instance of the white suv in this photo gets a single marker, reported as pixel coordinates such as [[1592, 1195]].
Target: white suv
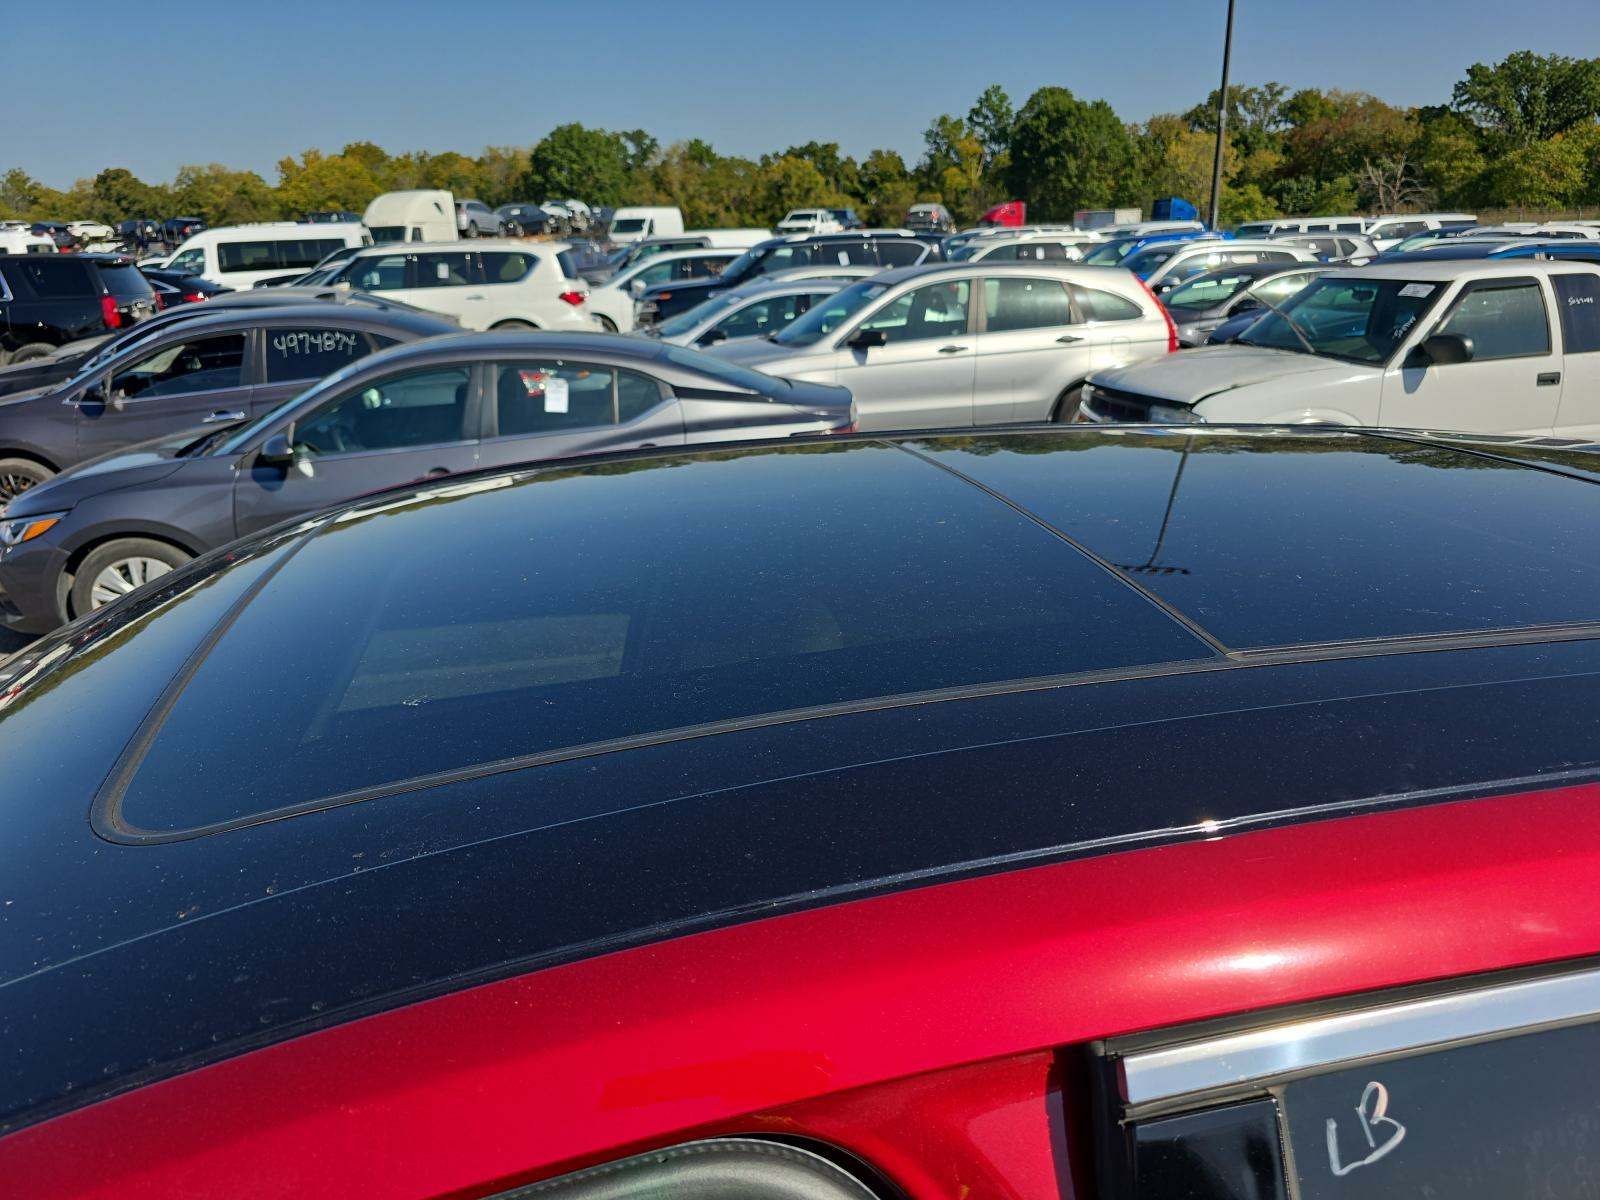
[[486, 284], [613, 301], [1475, 346], [809, 220], [953, 344]]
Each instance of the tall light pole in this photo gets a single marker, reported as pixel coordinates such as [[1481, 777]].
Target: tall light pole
[[1222, 121]]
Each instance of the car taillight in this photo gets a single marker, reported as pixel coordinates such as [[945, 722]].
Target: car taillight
[[574, 298], [109, 313], [193, 297], [161, 301], [1172, 330]]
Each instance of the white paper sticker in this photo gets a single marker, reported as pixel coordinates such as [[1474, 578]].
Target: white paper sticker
[[555, 395], [1416, 291]]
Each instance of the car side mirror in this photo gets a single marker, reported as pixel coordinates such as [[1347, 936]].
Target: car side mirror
[[1446, 349], [867, 339], [712, 336], [277, 451]]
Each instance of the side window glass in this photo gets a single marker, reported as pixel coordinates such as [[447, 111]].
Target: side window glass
[[506, 266], [1003, 253], [535, 396], [198, 366], [636, 395], [247, 256], [936, 311], [446, 269], [1011, 304], [900, 253], [1578, 298], [190, 262], [312, 353], [381, 273], [1503, 322], [422, 408], [655, 273], [1096, 305], [56, 276]]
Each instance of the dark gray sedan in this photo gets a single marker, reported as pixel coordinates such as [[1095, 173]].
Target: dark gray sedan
[[431, 408], [218, 369], [1199, 304]]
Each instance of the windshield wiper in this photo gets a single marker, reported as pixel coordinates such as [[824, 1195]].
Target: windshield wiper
[[1293, 328]]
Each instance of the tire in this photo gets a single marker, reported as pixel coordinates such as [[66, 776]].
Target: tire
[[516, 326], [31, 351], [116, 568], [471, 231], [610, 325], [512, 229], [17, 475], [1066, 409]]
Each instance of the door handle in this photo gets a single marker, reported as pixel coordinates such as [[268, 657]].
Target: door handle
[[1548, 378], [218, 417], [951, 349], [1066, 339]]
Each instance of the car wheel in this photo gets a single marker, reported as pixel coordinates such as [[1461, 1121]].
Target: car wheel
[[516, 326], [1066, 409], [512, 229], [17, 475], [113, 570], [32, 351], [606, 323]]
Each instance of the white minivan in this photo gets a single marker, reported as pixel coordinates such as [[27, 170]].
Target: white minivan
[[636, 224], [486, 283], [236, 256], [1476, 346], [428, 215]]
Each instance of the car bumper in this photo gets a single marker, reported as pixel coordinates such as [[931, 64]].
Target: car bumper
[[30, 586]]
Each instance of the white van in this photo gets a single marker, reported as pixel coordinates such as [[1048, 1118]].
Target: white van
[[417, 216], [1295, 225], [636, 224], [236, 256], [20, 239]]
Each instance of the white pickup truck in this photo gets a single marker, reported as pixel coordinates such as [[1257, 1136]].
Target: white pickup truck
[[1469, 346]]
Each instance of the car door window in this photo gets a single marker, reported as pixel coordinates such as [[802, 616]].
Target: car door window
[[506, 266], [201, 365], [417, 408], [1012, 304], [657, 272], [380, 273], [902, 252], [314, 351], [938, 310], [636, 395], [190, 262], [534, 396], [700, 268], [451, 268], [1003, 253], [56, 276], [1578, 299], [1504, 320]]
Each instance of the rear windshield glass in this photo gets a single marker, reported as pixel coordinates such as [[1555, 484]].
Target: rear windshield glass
[[497, 620], [124, 281]]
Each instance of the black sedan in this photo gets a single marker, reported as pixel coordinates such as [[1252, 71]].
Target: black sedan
[[223, 367], [1200, 304], [431, 409], [181, 287]]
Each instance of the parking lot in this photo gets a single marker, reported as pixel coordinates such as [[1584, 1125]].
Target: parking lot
[[1056, 662]]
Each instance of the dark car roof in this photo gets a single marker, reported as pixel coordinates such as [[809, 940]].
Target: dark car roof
[[515, 718]]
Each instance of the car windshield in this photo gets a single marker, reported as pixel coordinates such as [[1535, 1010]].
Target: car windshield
[[1205, 291], [628, 225], [1109, 254], [823, 319], [1357, 320], [730, 373], [687, 322]]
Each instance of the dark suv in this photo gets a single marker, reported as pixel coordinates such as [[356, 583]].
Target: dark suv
[[881, 249], [49, 299]]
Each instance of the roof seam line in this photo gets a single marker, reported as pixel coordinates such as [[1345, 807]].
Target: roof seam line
[[1211, 640]]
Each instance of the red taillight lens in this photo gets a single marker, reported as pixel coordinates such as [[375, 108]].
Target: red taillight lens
[[109, 313], [574, 298], [1172, 330], [161, 301], [193, 297]]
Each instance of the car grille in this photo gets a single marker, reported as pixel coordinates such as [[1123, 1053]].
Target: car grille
[[1112, 405]]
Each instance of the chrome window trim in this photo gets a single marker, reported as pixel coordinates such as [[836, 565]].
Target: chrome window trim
[[1321, 1043]]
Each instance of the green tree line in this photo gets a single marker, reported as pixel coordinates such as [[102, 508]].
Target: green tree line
[[1523, 133]]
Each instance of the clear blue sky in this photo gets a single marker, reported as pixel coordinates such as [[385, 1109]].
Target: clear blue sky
[[251, 82]]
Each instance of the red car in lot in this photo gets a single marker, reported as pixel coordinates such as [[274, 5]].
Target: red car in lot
[[1120, 812]]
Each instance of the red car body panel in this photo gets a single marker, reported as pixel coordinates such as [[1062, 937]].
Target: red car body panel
[[917, 1030]]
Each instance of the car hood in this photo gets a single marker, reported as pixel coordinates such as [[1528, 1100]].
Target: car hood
[[1194, 375], [131, 466], [754, 352], [23, 396]]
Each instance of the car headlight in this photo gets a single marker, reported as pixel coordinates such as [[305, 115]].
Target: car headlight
[[16, 530]]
